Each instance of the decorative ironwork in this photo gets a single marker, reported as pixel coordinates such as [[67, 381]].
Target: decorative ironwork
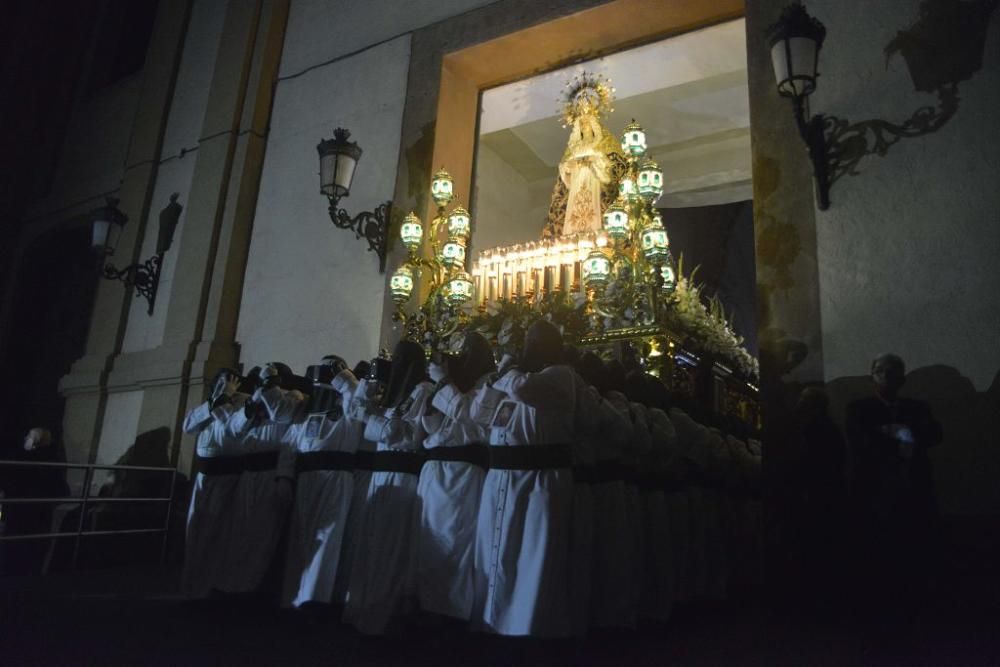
[[937, 62], [144, 277], [373, 226], [848, 143]]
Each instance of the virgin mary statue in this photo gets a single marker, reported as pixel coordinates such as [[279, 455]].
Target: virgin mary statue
[[585, 167]]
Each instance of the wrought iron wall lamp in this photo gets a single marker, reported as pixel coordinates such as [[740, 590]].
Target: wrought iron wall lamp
[[795, 40], [836, 145], [107, 223], [338, 158]]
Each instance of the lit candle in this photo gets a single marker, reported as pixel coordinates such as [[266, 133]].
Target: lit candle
[[477, 283]]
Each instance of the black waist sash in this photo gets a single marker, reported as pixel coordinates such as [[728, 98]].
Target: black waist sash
[[584, 474], [610, 471], [233, 465], [324, 460], [260, 461], [364, 460], [398, 461], [219, 465], [474, 453], [530, 457]]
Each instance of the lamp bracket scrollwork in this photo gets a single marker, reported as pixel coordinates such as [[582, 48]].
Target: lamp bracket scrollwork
[[848, 143], [371, 225], [836, 146], [144, 277]]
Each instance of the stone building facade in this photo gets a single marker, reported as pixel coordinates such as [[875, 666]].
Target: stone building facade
[[234, 95]]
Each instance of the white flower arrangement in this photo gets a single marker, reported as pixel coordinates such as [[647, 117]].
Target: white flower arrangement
[[707, 327]]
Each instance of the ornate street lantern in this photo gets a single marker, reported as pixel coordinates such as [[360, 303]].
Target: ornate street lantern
[[634, 139], [459, 224], [795, 40], [655, 244], [616, 221], [106, 226], [401, 284], [459, 289], [411, 232], [596, 270], [337, 159], [669, 279], [453, 254], [627, 190], [650, 180], [442, 188]]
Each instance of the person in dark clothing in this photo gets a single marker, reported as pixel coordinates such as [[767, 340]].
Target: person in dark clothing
[[819, 497], [28, 557], [892, 487]]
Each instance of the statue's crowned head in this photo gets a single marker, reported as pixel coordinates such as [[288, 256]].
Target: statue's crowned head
[[587, 95]]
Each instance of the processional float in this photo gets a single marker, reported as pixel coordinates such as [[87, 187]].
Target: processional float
[[602, 271]]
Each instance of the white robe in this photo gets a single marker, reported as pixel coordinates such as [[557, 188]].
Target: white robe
[[260, 516], [357, 411], [583, 534], [658, 572], [613, 603], [212, 498], [449, 493], [384, 585], [695, 450], [523, 532], [640, 446], [322, 504]]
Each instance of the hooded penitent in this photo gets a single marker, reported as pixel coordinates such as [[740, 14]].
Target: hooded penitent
[[637, 388], [542, 347], [323, 397], [616, 375], [474, 361], [250, 382], [409, 368], [591, 369]]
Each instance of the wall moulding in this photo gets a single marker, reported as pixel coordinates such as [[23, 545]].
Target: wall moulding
[[584, 35]]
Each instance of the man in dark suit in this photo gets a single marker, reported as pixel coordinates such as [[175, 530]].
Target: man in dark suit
[[892, 486]]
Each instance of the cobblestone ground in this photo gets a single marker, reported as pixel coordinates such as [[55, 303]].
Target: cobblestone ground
[[134, 616]]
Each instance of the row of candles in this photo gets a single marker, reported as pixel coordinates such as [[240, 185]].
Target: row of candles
[[533, 269]]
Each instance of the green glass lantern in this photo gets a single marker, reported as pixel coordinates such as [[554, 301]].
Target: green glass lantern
[[650, 180], [596, 270], [442, 188], [411, 232], [616, 221], [669, 278], [627, 190], [459, 289], [459, 224], [634, 139], [655, 244], [401, 284], [453, 254]]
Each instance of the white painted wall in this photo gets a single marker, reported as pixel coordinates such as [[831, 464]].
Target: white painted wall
[[184, 123], [321, 30], [908, 249], [312, 289], [508, 209], [121, 424]]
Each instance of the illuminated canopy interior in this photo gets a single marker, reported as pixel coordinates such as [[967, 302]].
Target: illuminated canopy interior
[[689, 93]]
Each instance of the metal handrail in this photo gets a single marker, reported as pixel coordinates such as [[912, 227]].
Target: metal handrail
[[86, 498], [95, 466]]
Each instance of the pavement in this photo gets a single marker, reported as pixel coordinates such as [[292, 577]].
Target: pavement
[[135, 616]]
